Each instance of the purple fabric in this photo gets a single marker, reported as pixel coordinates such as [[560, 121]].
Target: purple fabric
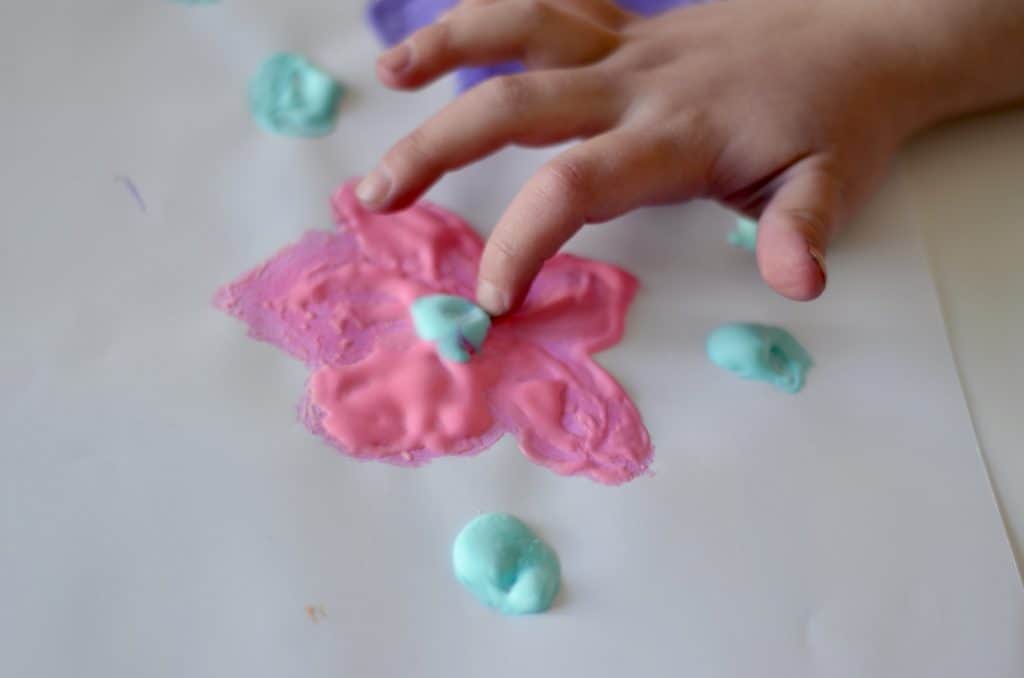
[[392, 20]]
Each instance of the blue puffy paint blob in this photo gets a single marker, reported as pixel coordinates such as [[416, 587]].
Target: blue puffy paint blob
[[505, 565], [290, 96], [760, 352], [745, 234], [453, 323]]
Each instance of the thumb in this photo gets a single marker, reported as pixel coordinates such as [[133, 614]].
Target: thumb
[[795, 228]]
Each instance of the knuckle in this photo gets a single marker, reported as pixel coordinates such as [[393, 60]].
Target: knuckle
[[535, 7], [693, 138], [834, 183], [539, 10], [434, 39], [693, 123], [510, 93], [811, 221], [532, 15], [412, 150], [504, 249], [565, 180]]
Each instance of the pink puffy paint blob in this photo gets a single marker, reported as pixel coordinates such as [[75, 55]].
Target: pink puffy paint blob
[[339, 301]]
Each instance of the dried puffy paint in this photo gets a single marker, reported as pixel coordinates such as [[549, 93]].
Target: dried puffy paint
[[505, 565], [341, 301], [456, 325], [288, 95], [745, 234], [760, 352]]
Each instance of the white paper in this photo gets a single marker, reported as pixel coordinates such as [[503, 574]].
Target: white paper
[[165, 514]]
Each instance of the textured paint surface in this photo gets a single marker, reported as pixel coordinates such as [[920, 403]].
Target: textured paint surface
[[340, 301], [761, 352], [288, 95], [393, 20], [505, 565]]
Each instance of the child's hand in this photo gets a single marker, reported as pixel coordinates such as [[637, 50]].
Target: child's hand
[[783, 109]]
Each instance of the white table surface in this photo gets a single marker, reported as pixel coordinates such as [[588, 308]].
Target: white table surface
[[967, 186]]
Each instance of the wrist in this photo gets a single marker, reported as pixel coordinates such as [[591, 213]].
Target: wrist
[[940, 59]]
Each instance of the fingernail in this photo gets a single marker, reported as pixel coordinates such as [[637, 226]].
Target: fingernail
[[373, 189], [491, 299], [819, 259], [396, 59]]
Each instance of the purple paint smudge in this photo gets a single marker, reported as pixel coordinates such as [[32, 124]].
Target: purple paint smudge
[[134, 190]]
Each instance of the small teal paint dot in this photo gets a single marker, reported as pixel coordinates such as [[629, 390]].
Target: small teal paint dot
[[450, 322], [745, 234], [505, 565], [760, 352], [288, 95]]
